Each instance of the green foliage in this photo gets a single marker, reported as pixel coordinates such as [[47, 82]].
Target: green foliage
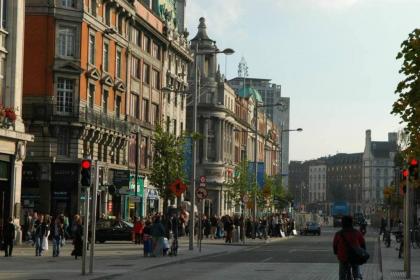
[[407, 106], [168, 161], [240, 185]]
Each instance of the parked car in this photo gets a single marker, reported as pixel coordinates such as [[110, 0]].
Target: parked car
[[312, 228], [113, 230]]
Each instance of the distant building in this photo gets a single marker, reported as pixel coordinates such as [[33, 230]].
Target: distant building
[[378, 169], [299, 182], [344, 180], [318, 186]]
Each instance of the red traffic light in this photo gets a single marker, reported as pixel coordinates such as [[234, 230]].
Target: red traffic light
[[405, 173], [414, 162], [86, 164]]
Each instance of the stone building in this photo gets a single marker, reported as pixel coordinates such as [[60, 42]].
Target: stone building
[[13, 138], [344, 180], [318, 186], [225, 122], [378, 170], [299, 183]]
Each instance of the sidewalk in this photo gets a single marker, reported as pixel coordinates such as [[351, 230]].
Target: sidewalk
[[393, 267], [111, 258]]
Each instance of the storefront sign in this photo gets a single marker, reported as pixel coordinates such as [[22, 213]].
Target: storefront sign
[[153, 195], [121, 178]]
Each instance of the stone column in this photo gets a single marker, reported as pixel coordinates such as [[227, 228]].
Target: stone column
[[218, 138], [222, 139], [16, 191], [206, 139]]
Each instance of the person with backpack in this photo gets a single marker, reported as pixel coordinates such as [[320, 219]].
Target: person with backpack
[[350, 248]]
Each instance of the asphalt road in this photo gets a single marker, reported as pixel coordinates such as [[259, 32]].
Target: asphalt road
[[300, 258]]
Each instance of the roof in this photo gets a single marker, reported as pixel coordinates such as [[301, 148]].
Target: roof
[[382, 149], [344, 159], [248, 91], [202, 33]]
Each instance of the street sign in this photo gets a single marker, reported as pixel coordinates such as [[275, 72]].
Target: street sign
[[203, 181], [245, 198], [201, 193], [135, 199], [178, 187]]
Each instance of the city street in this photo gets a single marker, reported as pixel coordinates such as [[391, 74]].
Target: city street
[[300, 257]]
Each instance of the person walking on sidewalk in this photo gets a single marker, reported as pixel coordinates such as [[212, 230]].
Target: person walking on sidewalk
[[57, 233], [77, 232], [343, 239], [40, 230], [9, 237]]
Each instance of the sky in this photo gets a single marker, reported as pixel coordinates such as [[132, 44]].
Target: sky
[[335, 59]]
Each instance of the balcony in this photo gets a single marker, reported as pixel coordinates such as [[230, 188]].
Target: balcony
[[47, 113]]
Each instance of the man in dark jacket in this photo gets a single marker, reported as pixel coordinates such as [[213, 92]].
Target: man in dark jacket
[[347, 236], [9, 237]]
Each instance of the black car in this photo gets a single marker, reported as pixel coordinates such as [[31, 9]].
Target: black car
[[113, 230], [312, 228]]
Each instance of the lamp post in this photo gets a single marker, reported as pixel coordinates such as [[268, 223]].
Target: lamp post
[[281, 148], [226, 51]]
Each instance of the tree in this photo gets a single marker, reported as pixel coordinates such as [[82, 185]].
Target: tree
[[407, 105], [168, 163], [240, 185]]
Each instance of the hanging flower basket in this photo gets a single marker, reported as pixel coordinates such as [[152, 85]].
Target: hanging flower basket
[[7, 117]]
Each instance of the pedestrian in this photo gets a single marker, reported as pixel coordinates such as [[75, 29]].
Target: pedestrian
[[57, 233], [158, 233], [138, 230], [9, 237], [228, 227], [40, 230], [147, 239], [77, 232], [46, 224], [343, 239]]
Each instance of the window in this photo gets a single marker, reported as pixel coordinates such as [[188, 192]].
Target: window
[[182, 102], [168, 123], [120, 24], [155, 114], [105, 101], [146, 44], [91, 97], [181, 127], [145, 110], [118, 106], [108, 15], [146, 74], [65, 89], [169, 97], [176, 99], [174, 126], [156, 79], [92, 48], [118, 63], [68, 3], [134, 105], [135, 67], [63, 141], [66, 41], [155, 51], [106, 57], [143, 152], [92, 7], [135, 36]]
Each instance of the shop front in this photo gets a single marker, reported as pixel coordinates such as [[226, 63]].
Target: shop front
[[5, 190], [64, 189], [30, 199]]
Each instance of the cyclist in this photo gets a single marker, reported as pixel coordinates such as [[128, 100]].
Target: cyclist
[[352, 237]]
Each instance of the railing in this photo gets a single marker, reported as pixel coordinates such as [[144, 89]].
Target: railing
[[48, 112]]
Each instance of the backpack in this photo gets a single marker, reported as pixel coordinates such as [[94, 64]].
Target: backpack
[[356, 254]]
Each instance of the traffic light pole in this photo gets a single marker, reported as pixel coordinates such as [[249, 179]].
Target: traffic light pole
[[93, 217], [85, 230], [407, 252]]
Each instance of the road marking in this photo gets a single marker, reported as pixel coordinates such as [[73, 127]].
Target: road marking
[[267, 259], [309, 250]]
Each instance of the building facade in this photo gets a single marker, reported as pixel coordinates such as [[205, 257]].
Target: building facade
[[378, 169], [318, 187], [344, 180], [13, 138], [225, 122], [94, 73], [299, 183]]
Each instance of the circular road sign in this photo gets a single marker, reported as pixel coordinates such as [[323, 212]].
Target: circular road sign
[[201, 193]]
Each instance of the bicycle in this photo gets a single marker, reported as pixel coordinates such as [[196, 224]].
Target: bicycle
[[351, 272]]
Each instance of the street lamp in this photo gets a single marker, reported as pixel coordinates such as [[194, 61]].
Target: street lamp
[[227, 51], [281, 148]]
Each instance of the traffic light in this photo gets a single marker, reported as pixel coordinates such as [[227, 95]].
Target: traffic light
[[403, 181], [414, 168], [86, 172]]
